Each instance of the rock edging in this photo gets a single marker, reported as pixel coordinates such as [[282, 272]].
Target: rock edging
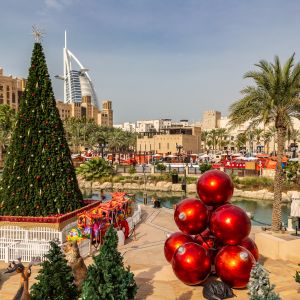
[[163, 186]]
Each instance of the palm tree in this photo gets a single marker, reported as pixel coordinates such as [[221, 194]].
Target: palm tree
[[204, 137], [7, 120], [250, 139], [213, 138], [222, 136], [257, 135], [240, 141], [73, 127], [99, 138], [273, 99], [267, 136], [115, 142], [294, 135], [95, 169], [273, 132]]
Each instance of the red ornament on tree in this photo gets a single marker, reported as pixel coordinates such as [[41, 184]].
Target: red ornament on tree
[[214, 187], [173, 242], [250, 245], [233, 265], [191, 263], [230, 224], [38, 177], [191, 216]]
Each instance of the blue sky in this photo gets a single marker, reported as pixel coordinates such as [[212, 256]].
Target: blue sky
[[154, 58]]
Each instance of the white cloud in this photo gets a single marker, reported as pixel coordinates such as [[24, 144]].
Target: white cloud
[[53, 4], [58, 4]]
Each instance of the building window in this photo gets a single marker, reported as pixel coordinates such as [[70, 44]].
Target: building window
[[13, 99], [1, 88], [159, 146], [168, 146]]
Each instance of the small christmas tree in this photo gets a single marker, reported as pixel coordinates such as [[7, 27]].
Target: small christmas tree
[[38, 177], [107, 278], [55, 279], [259, 287]]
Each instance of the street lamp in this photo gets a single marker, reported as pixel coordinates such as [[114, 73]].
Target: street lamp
[[145, 179], [183, 182]]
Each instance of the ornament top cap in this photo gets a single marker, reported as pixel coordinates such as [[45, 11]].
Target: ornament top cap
[[37, 33]]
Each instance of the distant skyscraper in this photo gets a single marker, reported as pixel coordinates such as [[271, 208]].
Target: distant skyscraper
[[77, 83]]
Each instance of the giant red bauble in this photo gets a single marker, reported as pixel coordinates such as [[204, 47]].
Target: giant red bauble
[[250, 245], [173, 242], [233, 265], [214, 187], [230, 224], [191, 263], [191, 216]]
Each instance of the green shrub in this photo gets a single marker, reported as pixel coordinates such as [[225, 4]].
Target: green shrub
[[160, 167], [292, 171], [205, 167], [255, 182], [132, 170], [297, 276]]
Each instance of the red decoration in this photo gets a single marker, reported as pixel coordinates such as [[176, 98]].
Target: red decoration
[[38, 177], [173, 242], [250, 245], [191, 216], [191, 263], [233, 265], [205, 239], [230, 224], [214, 187]]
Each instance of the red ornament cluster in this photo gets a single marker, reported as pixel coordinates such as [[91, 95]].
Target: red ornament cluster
[[214, 235]]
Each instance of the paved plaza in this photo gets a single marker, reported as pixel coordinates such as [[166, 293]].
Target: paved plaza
[[154, 275]]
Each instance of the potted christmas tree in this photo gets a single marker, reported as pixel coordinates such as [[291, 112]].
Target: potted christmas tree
[[259, 287], [107, 278], [55, 280]]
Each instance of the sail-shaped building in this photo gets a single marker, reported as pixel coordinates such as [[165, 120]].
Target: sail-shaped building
[[77, 82]]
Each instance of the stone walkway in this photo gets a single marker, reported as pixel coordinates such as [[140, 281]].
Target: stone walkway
[[154, 275]]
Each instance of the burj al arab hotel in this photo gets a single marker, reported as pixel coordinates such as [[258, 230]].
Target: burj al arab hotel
[[77, 83]]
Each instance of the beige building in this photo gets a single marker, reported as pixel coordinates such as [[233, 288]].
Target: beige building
[[11, 89], [186, 139], [211, 120], [86, 109]]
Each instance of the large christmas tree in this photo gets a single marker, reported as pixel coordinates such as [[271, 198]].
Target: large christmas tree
[[38, 178]]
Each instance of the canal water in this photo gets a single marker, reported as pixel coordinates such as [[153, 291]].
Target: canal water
[[261, 210]]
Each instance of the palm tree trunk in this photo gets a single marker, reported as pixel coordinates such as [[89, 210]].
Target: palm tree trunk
[[276, 214]]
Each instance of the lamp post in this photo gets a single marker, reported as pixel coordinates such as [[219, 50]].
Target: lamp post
[[183, 183], [145, 192]]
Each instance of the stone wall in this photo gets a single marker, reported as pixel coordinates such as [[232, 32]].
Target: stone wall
[[163, 186]]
